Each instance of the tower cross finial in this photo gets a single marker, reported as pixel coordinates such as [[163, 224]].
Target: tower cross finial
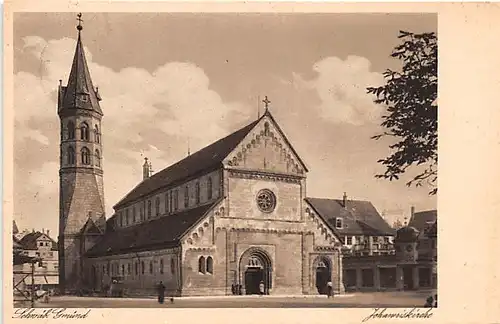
[[79, 27], [266, 103]]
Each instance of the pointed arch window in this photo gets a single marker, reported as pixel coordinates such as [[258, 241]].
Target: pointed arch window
[[123, 269], [97, 135], [201, 264], [161, 266], [84, 132], [71, 130], [149, 208], [166, 203], [85, 156], [150, 267], [157, 206], [198, 198], [136, 268], [142, 267], [97, 158], [210, 265], [71, 155], [209, 188], [176, 200], [134, 213]]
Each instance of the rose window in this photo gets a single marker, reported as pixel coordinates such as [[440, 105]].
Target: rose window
[[266, 200]]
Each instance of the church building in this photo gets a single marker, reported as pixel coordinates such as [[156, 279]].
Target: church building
[[233, 214]]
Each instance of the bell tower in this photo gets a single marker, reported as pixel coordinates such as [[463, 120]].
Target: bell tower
[[81, 192]]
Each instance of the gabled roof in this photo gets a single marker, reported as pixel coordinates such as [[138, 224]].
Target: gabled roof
[[423, 220], [79, 83], [29, 241], [15, 230], [90, 228], [268, 114], [358, 217], [159, 233], [205, 160]]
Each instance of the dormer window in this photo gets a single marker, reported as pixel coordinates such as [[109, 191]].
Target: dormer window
[[338, 223]]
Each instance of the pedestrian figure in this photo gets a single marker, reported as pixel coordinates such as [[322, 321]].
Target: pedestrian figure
[[240, 290], [435, 300], [261, 288], [161, 292], [429, 302], [233, 289], [329, 289]]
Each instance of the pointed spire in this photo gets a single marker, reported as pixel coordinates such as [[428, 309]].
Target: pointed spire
[[80, 93]]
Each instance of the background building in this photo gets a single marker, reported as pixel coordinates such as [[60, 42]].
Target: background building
[[413, 265], [39, 245]]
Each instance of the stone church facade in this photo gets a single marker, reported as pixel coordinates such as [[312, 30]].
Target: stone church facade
[[232, 214]]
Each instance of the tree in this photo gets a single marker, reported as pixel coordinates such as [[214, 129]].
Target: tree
[[410, 96], [397, 224]]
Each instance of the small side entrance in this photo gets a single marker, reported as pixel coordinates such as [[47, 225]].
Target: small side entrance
[[408, 278], [323, 275]]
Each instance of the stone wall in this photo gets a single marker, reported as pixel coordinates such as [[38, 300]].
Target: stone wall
[[141, 271]]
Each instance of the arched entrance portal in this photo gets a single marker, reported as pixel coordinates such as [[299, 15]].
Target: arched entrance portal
[[255, 267], [323, 274]]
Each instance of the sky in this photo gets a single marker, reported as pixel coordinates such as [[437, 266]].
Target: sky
[[171, 79]]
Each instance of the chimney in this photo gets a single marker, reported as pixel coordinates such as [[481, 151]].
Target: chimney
[[32, 230], [344, 200], [412, 213], [145, 169], [48, 233], [43, 230]]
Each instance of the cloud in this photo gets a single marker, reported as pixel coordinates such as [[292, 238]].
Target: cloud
[[341, 87], [146, 114]]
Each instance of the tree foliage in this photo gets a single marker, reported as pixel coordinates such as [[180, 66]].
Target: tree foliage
[[410, 96], [397, 224]]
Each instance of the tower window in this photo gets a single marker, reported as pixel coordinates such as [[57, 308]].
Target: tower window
[[71, 155], [71, 130], [209, 188], [85, 156], [186, 197], [198, 198], [157, 206], [97, 135], [97, 158], [84, 132]]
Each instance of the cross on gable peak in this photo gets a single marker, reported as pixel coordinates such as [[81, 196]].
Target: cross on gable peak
[[266, 102]]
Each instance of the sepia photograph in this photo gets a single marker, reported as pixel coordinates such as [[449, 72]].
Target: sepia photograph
[[225, 160]]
